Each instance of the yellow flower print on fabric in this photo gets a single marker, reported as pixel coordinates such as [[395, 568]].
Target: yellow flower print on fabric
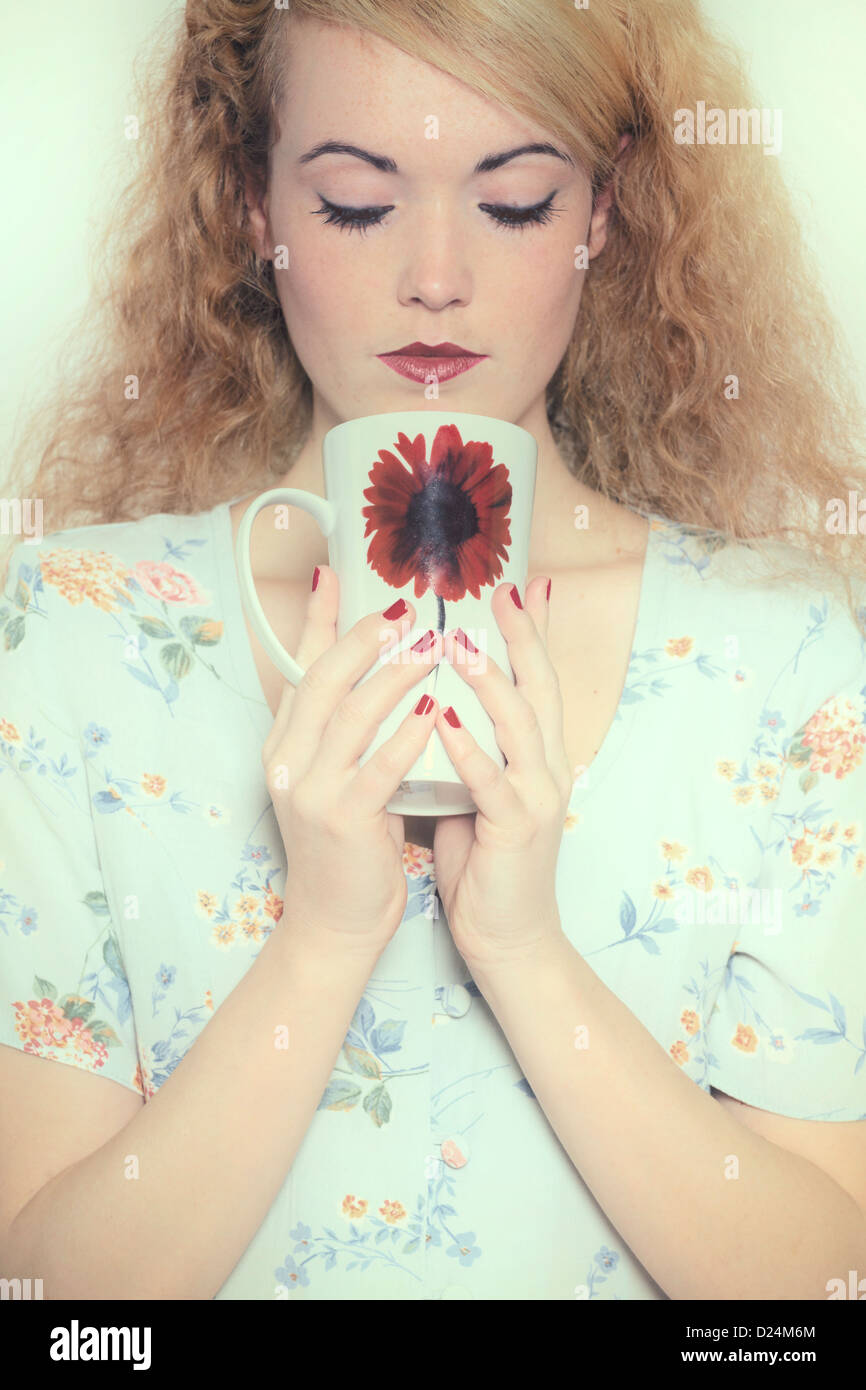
[[392, 1212], [745, 1038], [87, 574], [679, 646]]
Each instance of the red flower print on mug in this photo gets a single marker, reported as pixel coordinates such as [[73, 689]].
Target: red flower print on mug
[[442, 522]]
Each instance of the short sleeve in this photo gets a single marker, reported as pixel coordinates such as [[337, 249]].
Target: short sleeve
[[64, 994], [788, 1029]]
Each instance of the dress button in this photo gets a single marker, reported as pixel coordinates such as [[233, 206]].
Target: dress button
[[453, 1000], [455, 1152], [456, 1291]]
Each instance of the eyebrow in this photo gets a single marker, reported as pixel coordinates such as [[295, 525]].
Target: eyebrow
[[388, 166]]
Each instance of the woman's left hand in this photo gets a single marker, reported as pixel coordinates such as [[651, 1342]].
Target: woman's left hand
[[495, 870]]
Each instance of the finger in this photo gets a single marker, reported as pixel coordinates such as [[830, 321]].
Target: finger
[[319, 633], [525, 630], [320, 625], [329, 678], [377, 781], [396, 829], [535, 678], [516, 724], [489, 785], [357, 718], [536, 602]]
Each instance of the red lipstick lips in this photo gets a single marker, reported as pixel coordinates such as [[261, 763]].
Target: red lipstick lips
[[419, 361]]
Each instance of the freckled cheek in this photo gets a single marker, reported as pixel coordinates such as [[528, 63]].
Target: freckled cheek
[[327, 306], [545, 296]]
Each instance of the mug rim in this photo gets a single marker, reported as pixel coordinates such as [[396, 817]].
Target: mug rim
[[445, 417]]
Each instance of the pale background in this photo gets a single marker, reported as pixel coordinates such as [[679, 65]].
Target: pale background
[[67, 87]]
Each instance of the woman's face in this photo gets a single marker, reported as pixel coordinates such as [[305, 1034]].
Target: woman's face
[[436, 267]]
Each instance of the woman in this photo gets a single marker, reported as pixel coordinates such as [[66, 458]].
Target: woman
[[502, 1055]]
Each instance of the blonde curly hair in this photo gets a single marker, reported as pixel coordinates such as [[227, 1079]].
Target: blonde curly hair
[[704, 277]]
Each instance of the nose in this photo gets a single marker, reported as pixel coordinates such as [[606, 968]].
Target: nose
[[434, 259]]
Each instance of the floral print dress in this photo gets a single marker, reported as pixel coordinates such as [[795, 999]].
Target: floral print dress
[[711, 872]]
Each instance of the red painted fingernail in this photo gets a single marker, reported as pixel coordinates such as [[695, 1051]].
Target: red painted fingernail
[[451, 716], [396, 610], [515, 595], [460, 636], [424, 643], [424, 705], [549, 582], [315, 579]]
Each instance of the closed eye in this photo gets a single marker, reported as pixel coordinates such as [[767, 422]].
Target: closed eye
[[351, 219], [359, 219], [521, 217]]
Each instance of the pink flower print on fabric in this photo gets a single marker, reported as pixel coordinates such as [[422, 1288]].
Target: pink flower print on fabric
[[163, 581]]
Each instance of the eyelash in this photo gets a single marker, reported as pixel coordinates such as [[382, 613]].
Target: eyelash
[[512, 219]]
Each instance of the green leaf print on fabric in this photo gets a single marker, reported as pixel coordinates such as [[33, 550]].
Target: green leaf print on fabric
[[365, 1049], [116, 588]]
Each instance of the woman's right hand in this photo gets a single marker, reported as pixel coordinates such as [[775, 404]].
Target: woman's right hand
[[344, 851]]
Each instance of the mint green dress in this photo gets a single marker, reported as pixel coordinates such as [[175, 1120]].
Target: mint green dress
[[711, 872]]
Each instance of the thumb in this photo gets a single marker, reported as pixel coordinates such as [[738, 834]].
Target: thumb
[[396, 830], [318, 634]]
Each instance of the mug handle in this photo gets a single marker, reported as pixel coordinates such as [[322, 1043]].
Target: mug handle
[[325, 516]]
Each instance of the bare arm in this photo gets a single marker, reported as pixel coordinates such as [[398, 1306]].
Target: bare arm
[[213, 1146], [655, 1149]]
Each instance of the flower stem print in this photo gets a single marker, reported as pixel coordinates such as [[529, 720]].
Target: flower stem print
[[442, 522]]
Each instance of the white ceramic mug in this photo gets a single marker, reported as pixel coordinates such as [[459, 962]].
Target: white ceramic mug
[[436, 507]]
